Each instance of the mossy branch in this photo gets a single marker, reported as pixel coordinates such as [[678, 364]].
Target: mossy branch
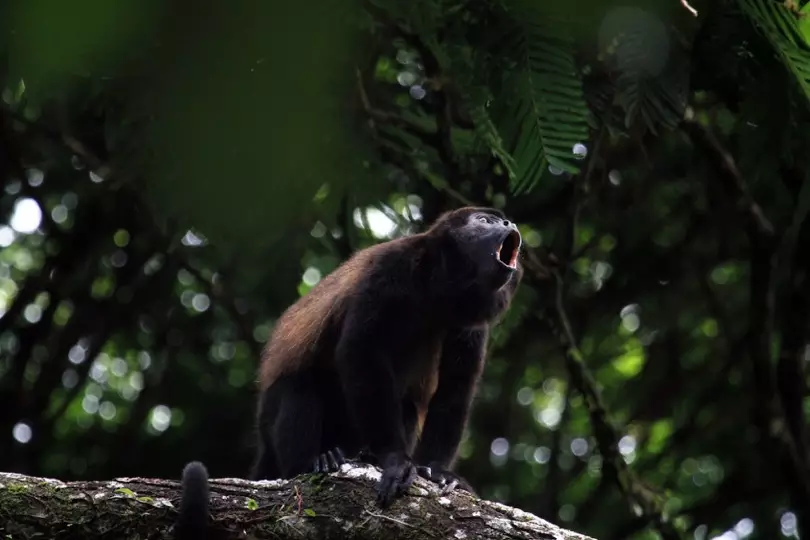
[[340, 505]]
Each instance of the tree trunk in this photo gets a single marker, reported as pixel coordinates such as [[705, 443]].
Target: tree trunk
[[340, 506]]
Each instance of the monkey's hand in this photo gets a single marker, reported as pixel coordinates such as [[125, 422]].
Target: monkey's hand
[[447, 480], [398, 474], [329, 461]]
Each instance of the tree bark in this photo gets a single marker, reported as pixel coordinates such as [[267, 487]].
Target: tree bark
[[340, 506]]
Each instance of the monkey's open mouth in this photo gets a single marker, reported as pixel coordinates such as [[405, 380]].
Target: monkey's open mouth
[[507, 253]]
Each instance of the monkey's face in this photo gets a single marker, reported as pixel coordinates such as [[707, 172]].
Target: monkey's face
[[491, 244]]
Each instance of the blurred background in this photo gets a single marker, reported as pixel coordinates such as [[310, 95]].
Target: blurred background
[[175, 174]]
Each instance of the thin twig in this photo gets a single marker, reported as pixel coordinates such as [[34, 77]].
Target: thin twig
[[727, 171], [444, 114], [554, 472], [689, 8], [425, 135], [299, 499], [400, 522], [220, 292], [96, 164]]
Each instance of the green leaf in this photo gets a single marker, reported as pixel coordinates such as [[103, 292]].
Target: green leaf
[[709, 328], [632, 361], [660, 432], [309, 512], [251, 504], [804, 22], [781, 28]]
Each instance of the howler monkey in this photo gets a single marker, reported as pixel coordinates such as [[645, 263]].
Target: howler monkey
[[385, 350], [192, 521]]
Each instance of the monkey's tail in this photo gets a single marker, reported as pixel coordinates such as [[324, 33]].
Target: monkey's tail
[[192, 523]]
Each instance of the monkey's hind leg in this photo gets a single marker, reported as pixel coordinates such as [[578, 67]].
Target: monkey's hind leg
[[265, 467], [297, 426]]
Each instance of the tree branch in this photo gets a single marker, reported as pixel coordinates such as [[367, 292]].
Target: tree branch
[[791, 376], [340, 505], [768, 410], [638, 496], [641, 499]]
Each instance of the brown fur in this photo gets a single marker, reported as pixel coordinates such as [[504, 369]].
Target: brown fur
[[298, 332]]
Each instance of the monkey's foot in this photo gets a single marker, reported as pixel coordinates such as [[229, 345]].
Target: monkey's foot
[[399, 472], [446, 480], [329, 461]]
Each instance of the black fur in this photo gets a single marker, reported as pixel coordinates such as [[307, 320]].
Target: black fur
[[463, 361], [192, 522], [351, 364]]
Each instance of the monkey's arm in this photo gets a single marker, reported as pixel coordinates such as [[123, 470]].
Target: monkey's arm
[[460, 368], [363, 357]]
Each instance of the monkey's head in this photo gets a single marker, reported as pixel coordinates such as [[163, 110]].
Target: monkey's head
[[487, 242]]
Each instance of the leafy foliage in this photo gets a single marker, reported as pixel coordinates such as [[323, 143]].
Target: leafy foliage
[[781, 27], [544, 116], [170, 187]]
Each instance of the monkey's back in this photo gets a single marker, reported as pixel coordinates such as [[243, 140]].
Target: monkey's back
[[301, 331]]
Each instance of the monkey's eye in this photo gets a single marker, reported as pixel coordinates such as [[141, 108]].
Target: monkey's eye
[[483, 219]]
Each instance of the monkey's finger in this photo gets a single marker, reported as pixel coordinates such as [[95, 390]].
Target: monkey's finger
[[425, 472], [316, 465], [449, 487], [333, 465], [386, 490], [341, 457], [408, 477], [324, 463]]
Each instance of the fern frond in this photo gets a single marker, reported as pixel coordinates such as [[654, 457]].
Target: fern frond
[[486, 132], [546, 114], [600, 96], [780, 27], [652, 73], [466, 67], [650, 101]]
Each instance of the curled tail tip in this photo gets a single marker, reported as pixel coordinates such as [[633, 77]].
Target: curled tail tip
[[195, 475], [192, 521]]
